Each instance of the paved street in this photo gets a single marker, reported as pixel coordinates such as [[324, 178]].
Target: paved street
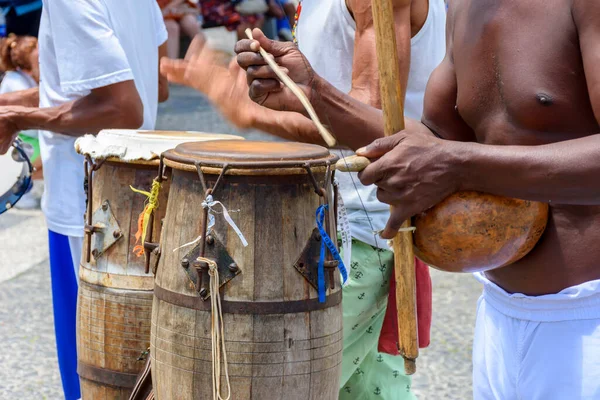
[[28, 365]]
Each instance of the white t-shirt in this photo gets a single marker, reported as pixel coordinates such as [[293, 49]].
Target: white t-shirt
[[325, 34], [85, 45], [15, 81]]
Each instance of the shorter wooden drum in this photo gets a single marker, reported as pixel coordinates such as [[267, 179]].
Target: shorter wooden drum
[[281, 342], [115, 292]]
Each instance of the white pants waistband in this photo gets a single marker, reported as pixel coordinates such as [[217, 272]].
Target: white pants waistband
[[573, 303]]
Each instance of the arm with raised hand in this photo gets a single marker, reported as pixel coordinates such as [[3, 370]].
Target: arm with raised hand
[[226, 87], [344, 115], [25, 98], [113, 106]]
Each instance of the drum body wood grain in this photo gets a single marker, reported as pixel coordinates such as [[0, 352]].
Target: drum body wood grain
[[115, 292], [472, 231], [281, 343]]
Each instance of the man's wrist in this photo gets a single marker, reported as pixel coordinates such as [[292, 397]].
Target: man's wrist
[[463, 156], [317, 91], [15, 114]]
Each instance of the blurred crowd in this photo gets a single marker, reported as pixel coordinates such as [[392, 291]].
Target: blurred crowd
[[192, 17], [184, 19]]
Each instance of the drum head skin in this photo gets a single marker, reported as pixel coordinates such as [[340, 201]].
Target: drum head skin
[[139, 145], [226, 151], [15, 179]]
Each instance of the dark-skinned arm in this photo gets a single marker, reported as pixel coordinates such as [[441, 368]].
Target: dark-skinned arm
[[365, 70], [25, 98], [564, 172], [336, 109], [415, 170], [113, 106], [344, 115], [365, 81]]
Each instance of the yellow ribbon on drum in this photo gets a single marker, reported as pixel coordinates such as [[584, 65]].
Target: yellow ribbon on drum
[[145, 215]]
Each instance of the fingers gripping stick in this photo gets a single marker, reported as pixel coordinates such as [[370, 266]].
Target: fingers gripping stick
[[325, 134]]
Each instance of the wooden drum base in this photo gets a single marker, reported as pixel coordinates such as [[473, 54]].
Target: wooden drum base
[[293, 356], [113, 336]]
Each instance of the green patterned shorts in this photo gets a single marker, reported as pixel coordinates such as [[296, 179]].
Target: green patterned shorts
[[366, 373]]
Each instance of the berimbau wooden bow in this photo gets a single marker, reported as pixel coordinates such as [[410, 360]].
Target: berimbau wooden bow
[[393, 115]]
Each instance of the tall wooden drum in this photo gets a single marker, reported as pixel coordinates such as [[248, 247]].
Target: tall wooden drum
[[281, 341], [115, 284]]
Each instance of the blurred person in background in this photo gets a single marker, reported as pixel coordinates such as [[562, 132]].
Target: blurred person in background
[[98, 70], [181, 16], [284, 12], [22, 16], [20, 63], [235, 15]]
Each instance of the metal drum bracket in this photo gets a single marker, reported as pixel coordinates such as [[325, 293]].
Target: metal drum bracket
[[106, 229], [308, 262], [197, 271]]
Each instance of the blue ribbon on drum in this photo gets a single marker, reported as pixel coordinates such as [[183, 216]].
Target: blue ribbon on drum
[[326, 242]]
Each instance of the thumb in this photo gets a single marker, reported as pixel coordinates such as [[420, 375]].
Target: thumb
[[397, 219], [273, 47], [381, 146]]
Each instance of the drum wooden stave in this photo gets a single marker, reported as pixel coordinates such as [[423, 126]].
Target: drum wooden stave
[[281, 343], [115, 293]]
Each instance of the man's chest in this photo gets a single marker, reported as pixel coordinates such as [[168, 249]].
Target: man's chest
[[518, 61]]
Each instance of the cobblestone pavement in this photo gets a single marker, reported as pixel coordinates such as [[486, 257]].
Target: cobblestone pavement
[[28, 365]]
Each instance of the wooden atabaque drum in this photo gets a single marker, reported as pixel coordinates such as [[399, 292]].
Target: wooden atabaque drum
[[472, 231], [281, 342], [115, 290]]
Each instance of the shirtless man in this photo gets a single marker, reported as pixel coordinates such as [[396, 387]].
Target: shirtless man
[[337, 37], [513, 110]]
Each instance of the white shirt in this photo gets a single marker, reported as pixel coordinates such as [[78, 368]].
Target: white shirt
[[15, 81], [85, 45], [325, 34]]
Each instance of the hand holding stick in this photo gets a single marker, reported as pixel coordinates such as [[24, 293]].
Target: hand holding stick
[[285, 79]]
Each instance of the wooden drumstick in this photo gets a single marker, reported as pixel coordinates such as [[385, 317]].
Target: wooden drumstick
[[393, 115], [352, 164], [285, 79]]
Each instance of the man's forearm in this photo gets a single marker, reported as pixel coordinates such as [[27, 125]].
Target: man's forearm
[[76, 118], [353, 123], [564, 172], [24, 98]]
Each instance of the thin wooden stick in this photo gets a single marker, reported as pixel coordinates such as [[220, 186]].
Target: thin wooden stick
[[393, 114], [325, 134], [352, 164]]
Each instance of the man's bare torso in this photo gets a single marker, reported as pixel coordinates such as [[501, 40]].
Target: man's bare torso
[[521, 81]]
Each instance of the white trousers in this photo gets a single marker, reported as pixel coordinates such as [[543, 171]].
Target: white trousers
[[537, 348]]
